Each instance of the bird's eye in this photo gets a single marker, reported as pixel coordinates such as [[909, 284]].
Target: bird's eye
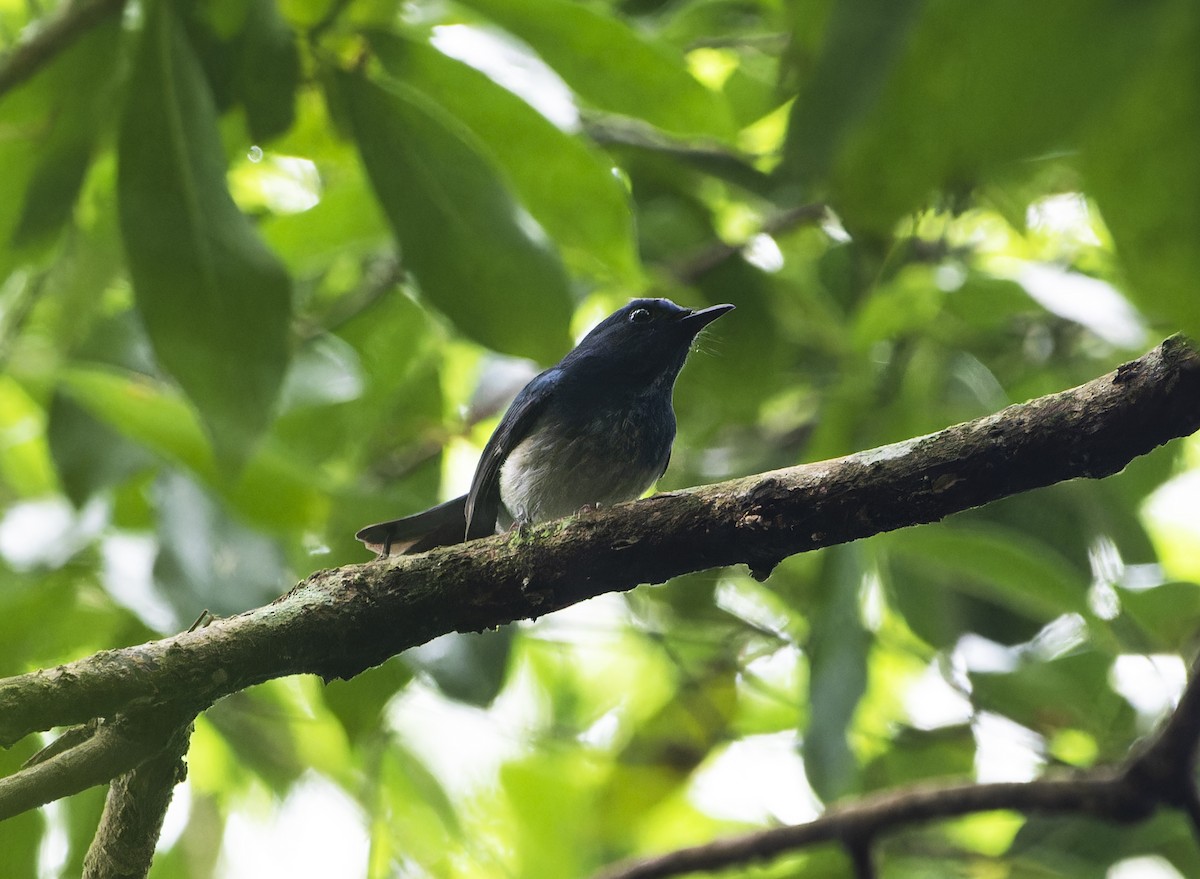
[[639, 315]]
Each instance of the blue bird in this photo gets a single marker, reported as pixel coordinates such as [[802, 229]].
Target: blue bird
[[594, 430]]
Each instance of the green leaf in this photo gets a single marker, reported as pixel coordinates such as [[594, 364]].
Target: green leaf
[[268, 71], [1140, 162], [25, 464], [1070, 692], [477, 254], [862, 42], [414, 816], [998, 564], [393, 433], [43, 620], [21, 835], [906, 306], [667, 748], [346, 222], [56, 119], [273, 490], [967, 100], [612, 66], [88, 454], [542, 789], [214, 300], [594, 226], [940, 606], [1168, 616], [205, 558], [838, 678], [54, 186], [256, 725], [83, 811], [359, 703], [469, 667], [988, 304], [1087, 848], [918, 755]]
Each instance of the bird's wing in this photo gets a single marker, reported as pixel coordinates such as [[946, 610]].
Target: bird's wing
[[483, 501]]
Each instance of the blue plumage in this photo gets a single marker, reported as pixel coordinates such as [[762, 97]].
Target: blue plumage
[[596, 429]]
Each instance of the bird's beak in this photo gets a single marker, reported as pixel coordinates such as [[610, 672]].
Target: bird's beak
[[698, 320]]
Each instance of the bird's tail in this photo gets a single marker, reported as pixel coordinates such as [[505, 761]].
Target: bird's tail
[[442, 525]]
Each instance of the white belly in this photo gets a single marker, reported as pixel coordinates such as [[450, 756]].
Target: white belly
[[540, 481]]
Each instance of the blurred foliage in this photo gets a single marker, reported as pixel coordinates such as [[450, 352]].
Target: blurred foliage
[[271, 270]]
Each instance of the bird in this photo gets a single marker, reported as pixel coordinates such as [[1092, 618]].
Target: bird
[[595, 429]]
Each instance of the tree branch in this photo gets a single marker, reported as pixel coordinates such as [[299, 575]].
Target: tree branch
[[859, 850], [692, 268], [123, 846], [47, 41], [707, 155], [337, 623], [112, 748]]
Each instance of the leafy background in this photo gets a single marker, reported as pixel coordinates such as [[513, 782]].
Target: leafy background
[[272, 270]]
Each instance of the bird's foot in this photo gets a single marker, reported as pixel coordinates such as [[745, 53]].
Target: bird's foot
[[521, 526]]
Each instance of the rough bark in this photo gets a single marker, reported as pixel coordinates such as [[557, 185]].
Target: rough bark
[[94, 754], [137, 801]]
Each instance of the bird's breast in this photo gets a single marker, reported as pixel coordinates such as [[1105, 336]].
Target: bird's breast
[[604, 457]]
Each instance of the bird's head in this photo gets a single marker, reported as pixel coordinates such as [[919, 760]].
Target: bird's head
[[647, 337]]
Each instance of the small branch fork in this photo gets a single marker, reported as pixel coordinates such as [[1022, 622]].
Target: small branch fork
[[1161, 774], [134, 706], [86, 755]]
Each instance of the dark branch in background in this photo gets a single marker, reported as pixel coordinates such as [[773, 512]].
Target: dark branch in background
[[380, 276], [859, 849], [29, 56], [1168, 765], [338, 623], [773, 43], [692, 268], [123, 846], [708, 156], [1102, 794], [332, 14], [1160, 775]]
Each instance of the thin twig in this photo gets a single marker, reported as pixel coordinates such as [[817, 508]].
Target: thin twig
[[48, 40], [691, 268], [859, 850], [770, 43], [706, 155], [71, 738]]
